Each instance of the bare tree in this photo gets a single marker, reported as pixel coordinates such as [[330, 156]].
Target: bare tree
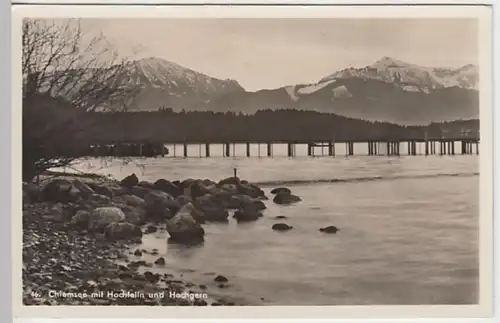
[[66, 74]]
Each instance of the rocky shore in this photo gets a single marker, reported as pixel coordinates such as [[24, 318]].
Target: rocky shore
[[77, 233]]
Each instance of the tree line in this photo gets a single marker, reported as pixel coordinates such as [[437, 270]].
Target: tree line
[[264, 126]]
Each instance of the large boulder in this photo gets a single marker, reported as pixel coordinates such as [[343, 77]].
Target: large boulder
[[246, 214], [122, 231], [215, 214], [80, 220], [101, 189], [84, 189], [31, 193], [97, 200], [167, 187], [133, 214], [199, 188], [138, 191], [185, 183], [207, 201], [242, 201], [229, 180], [252, 190], [129, 181], [160, 205], [183, 199], [132, 200], [184, 228], [102, 216], [58, 212], [284, 198], [230, 188], [59, 190], [146, 184]]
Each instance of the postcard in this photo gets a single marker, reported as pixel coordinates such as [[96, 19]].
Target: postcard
[[252, 161]]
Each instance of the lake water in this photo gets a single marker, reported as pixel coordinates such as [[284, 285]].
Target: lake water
[[408, 229]]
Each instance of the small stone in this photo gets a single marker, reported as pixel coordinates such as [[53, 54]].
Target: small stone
[[200, 302], [160, 261], [203, 286], [138, 253]]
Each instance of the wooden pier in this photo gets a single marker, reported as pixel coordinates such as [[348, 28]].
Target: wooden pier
[[417, 147], [331, 148]]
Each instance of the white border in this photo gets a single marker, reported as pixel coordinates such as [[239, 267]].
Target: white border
[[486, 164]]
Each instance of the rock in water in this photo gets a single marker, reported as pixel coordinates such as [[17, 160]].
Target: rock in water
[[329, 229], [252, 190], [221, 279], [122, 231], [130, 181], [248, 213], [286, 198], [281, 190], [215, 214], [281, 227], [184, 228], [101, 217]]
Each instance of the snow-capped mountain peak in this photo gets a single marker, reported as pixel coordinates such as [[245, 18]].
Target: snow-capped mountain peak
[[411, 76], [174, 85], [389, 62]]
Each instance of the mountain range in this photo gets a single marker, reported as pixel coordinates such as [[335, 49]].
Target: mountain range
[[389, 90]]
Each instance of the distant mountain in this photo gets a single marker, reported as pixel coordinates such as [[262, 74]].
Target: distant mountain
[[412, 77], [389, 90], [166, 84]]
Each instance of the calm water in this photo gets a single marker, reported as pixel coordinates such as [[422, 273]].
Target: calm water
[[408, 229]]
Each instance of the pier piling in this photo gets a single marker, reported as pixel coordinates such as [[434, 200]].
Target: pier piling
[[331, 149], [207, 150], [269, 149]]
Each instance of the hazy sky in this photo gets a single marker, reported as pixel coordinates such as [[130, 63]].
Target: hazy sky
[[270, 53]]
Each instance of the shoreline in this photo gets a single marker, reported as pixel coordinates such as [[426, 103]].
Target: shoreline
[[60, 256]]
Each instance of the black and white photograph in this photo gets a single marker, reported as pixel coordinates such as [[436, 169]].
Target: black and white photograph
[[326, 161]]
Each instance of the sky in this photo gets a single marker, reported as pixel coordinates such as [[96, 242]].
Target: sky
[[270, 53]]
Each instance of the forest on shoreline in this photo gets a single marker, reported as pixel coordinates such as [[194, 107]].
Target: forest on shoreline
[[264, 126]]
